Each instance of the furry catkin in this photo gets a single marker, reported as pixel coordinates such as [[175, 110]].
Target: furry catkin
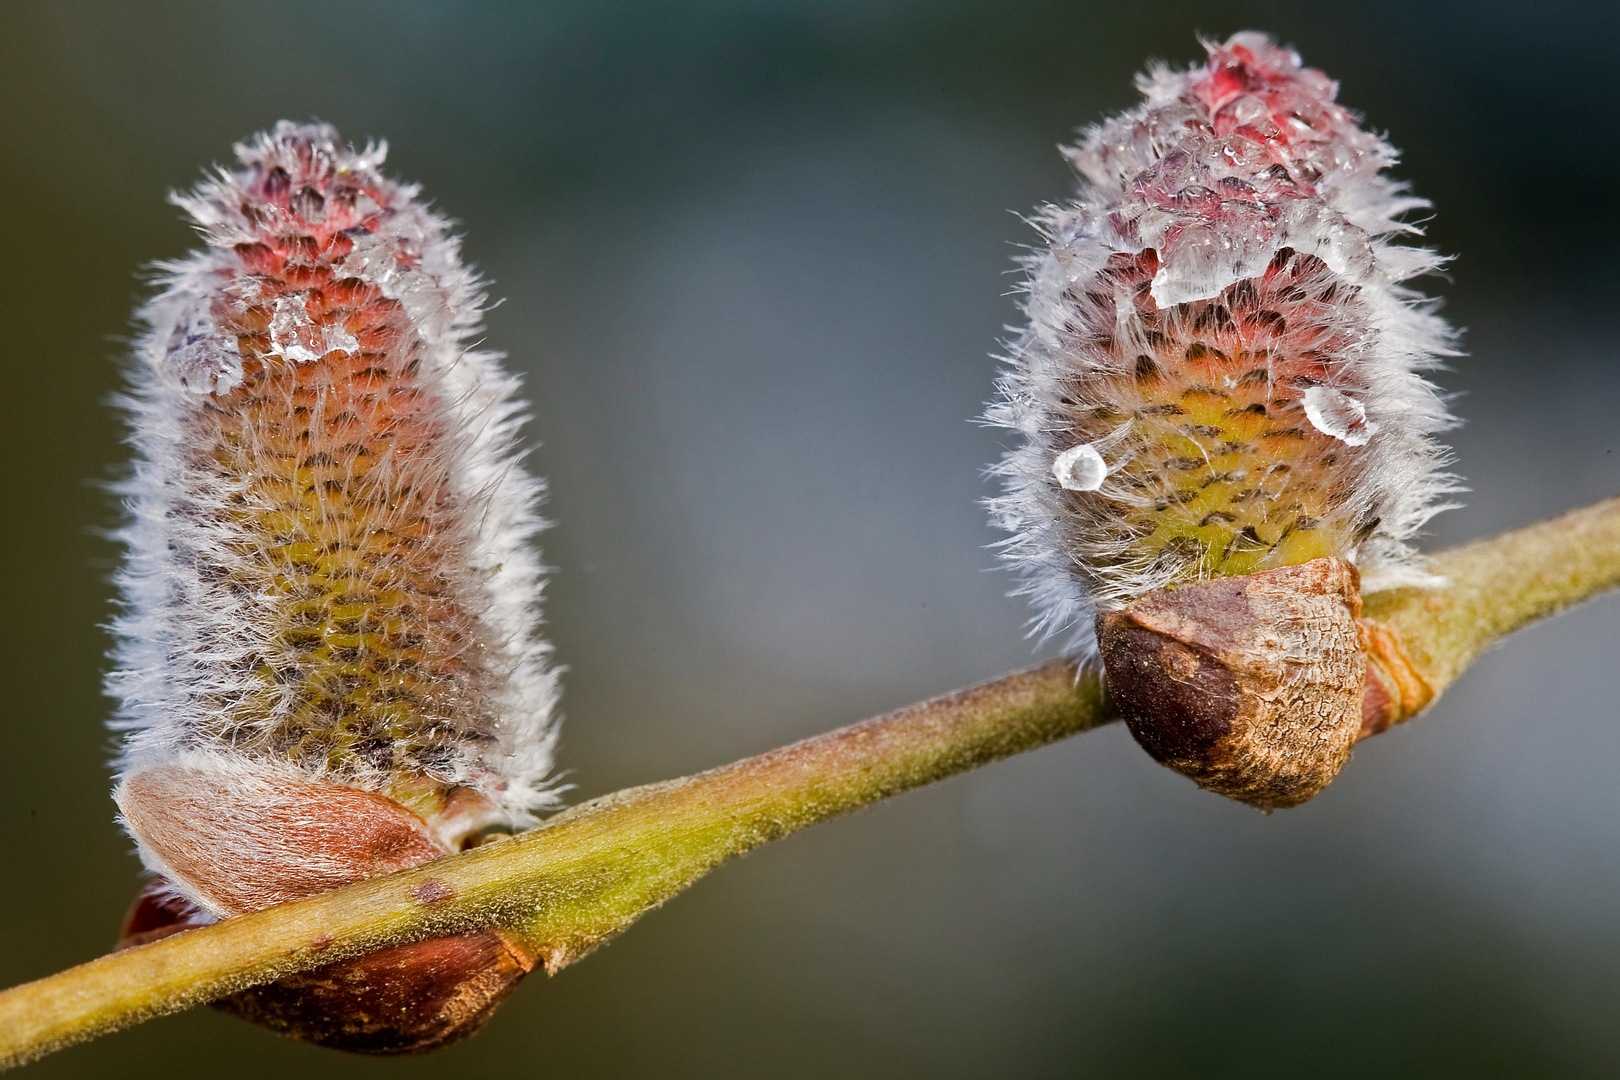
[[328, 662], [1220, 379], [1220, 369]]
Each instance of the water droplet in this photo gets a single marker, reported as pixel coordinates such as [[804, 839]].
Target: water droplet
[[1339, 415], [1080, 468], [297, 337], [199, 357]]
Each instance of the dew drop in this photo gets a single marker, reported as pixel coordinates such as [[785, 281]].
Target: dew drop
[[1339, 415], [1080, 468], [200, 358], [297, 337]]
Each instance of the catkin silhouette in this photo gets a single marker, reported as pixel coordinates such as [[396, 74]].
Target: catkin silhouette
[[1220, 373], [330, 618]]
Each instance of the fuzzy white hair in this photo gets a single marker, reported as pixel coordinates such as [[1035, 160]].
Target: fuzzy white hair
[[1220, 169], [201, 615]]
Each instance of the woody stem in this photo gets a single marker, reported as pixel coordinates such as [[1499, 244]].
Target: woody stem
[[588, 873]]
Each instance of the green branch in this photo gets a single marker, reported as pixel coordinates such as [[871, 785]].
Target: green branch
[[1498, 585], [588, 873]]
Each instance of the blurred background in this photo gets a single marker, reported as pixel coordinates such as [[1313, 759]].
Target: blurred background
[[755, 256]]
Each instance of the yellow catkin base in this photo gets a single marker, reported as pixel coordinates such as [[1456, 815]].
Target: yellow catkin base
[[1222, 471], [343, 522]]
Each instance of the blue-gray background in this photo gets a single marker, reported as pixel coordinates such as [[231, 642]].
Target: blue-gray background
[[755, 255]]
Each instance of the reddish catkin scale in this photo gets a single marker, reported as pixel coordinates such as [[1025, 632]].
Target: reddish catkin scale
[[1224, 427], [329, 663]]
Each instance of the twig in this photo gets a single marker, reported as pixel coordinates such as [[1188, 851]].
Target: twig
[[588, 873]]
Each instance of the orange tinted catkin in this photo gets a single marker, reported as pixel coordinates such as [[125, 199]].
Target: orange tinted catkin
[[329, 664], [1218, 393]]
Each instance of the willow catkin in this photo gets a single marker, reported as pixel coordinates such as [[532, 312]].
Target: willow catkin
[[1219, 379], [328, 662]]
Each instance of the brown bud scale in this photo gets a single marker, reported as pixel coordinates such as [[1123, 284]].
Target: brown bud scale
[[1250, 685], [407, 999]]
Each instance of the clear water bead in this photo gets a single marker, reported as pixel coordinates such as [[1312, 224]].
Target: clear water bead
[[1080, 468], [297, 337], [1339, 415], [199, 357]]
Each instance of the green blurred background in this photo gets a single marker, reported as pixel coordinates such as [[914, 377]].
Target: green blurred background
[[755, 255]]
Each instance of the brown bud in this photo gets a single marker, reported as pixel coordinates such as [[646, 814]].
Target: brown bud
[[407, 999], [1251, 685]]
